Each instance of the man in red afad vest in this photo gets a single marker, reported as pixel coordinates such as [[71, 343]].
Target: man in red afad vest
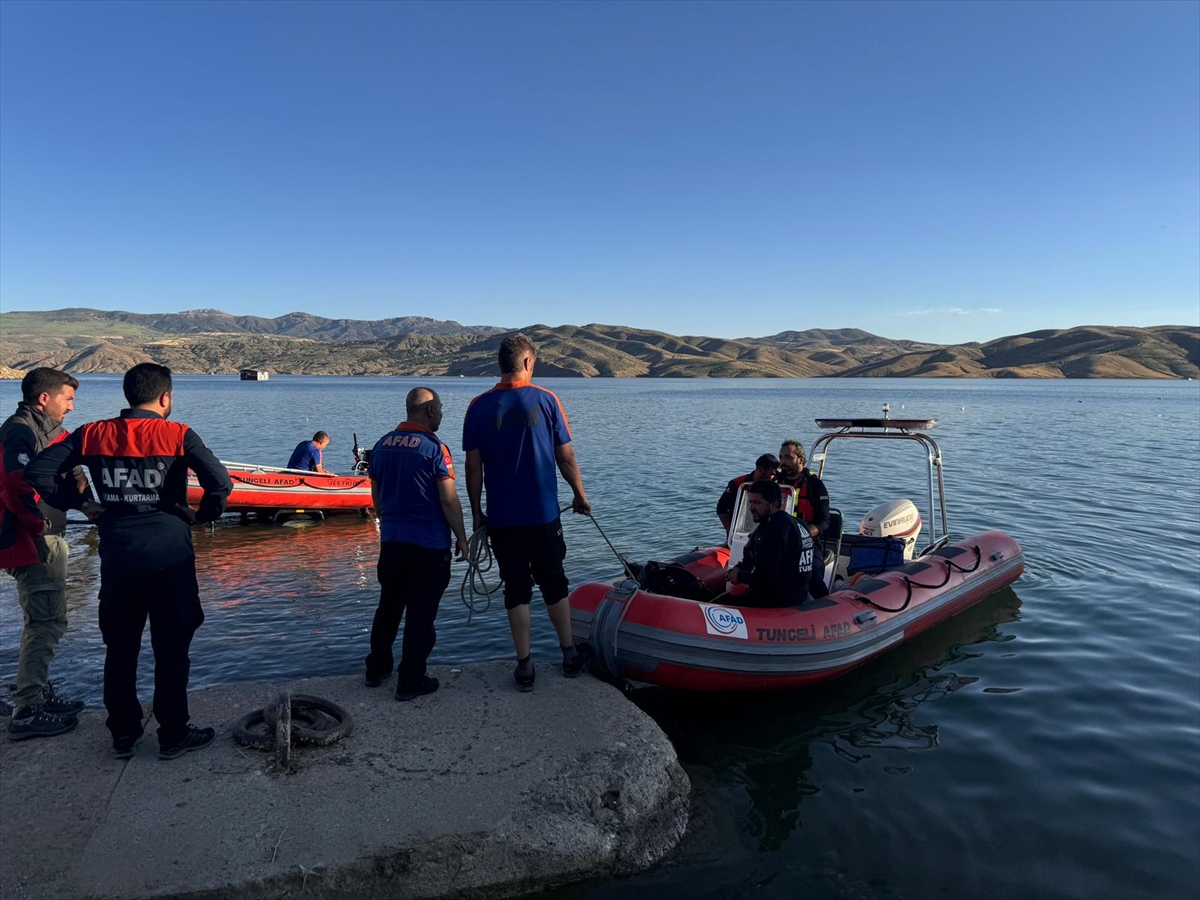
[[812, 504], [34, 550], [139, 463]]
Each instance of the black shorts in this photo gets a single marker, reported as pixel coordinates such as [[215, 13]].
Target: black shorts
[[529, 554]]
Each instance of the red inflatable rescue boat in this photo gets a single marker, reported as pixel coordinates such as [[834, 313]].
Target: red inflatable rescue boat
[[675, 624], [264, 489]]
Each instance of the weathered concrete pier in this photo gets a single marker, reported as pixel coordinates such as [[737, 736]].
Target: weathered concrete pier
[[477, 790]]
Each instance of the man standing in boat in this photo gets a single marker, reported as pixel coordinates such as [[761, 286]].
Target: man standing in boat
[[33, 547], [777, 562], [412, 487], [515, 436], [765, 468], [139, 463], [308, 455]]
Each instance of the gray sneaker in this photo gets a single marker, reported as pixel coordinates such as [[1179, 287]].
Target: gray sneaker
[[33, 721], [193, 739]]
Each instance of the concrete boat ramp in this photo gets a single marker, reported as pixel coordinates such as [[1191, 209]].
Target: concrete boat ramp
[[477, 790]]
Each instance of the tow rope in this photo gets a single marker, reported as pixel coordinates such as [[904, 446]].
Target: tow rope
[[480, 560], [474, 585]]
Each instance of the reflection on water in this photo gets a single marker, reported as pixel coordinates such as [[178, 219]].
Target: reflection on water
[[753, 761], [872, 716], [280, 602]]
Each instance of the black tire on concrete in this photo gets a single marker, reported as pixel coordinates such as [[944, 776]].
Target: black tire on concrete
[[307, 727], [244, 734]]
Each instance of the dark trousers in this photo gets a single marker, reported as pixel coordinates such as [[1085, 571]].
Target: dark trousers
[[527, 554], [170, 598], [411, 578]]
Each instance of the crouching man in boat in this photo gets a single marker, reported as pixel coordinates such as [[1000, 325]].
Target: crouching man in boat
[[308, 455], [765, 468], [777, 562], [412, 487], [139, 463]]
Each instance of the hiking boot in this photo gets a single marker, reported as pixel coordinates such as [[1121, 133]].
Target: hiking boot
[[576, 659], [194, 739], [524, 675], [56, 703], [33, 721], [426, 685], [125, 747]]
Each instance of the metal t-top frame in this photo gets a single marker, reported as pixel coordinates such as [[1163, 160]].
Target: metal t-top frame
[[888, 429]]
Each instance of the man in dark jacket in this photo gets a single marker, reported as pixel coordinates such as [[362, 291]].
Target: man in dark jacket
[[777, 562], [765, 468], [812, 499], [812, 502], [34, 550], [139, 463]]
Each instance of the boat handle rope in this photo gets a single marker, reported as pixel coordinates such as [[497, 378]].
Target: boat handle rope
[[909, 584], [301, 480], [480, 560]]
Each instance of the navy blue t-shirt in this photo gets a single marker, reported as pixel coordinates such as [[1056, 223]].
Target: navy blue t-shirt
[[516, 428], [406, 466], [306, 456]]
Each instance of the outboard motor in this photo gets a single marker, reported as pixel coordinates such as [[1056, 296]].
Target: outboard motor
[[362, 458], [896, 518]]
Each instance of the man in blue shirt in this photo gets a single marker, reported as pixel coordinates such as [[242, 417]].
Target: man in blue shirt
[[307, 455], [412, 487], [515, 436]]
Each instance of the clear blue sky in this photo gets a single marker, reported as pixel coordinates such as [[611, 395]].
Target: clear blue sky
[[937, 171]]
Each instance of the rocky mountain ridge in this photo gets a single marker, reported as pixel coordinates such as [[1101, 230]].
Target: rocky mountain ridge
[[209, 342]]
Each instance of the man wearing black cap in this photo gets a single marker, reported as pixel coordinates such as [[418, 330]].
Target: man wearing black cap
[[765, 468]]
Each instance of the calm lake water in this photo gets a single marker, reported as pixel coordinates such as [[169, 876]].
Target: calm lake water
[[1046, 743]]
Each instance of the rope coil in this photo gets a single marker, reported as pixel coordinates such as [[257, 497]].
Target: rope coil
[[481, 560]]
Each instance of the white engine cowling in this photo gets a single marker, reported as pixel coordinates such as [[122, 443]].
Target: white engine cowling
[[896, 518]]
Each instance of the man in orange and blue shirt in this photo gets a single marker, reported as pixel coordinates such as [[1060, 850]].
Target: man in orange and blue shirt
[[515, 436], [412, 487]]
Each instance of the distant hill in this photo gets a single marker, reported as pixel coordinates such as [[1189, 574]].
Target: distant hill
[[96, 323], [213, 342], [1086, 352]]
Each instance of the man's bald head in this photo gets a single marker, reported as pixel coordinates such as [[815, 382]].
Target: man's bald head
[[424, 406]]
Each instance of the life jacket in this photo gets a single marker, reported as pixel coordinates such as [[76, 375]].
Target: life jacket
[[804, 508]]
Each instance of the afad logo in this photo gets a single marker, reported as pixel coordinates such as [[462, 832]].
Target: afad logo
[[724, 621]]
